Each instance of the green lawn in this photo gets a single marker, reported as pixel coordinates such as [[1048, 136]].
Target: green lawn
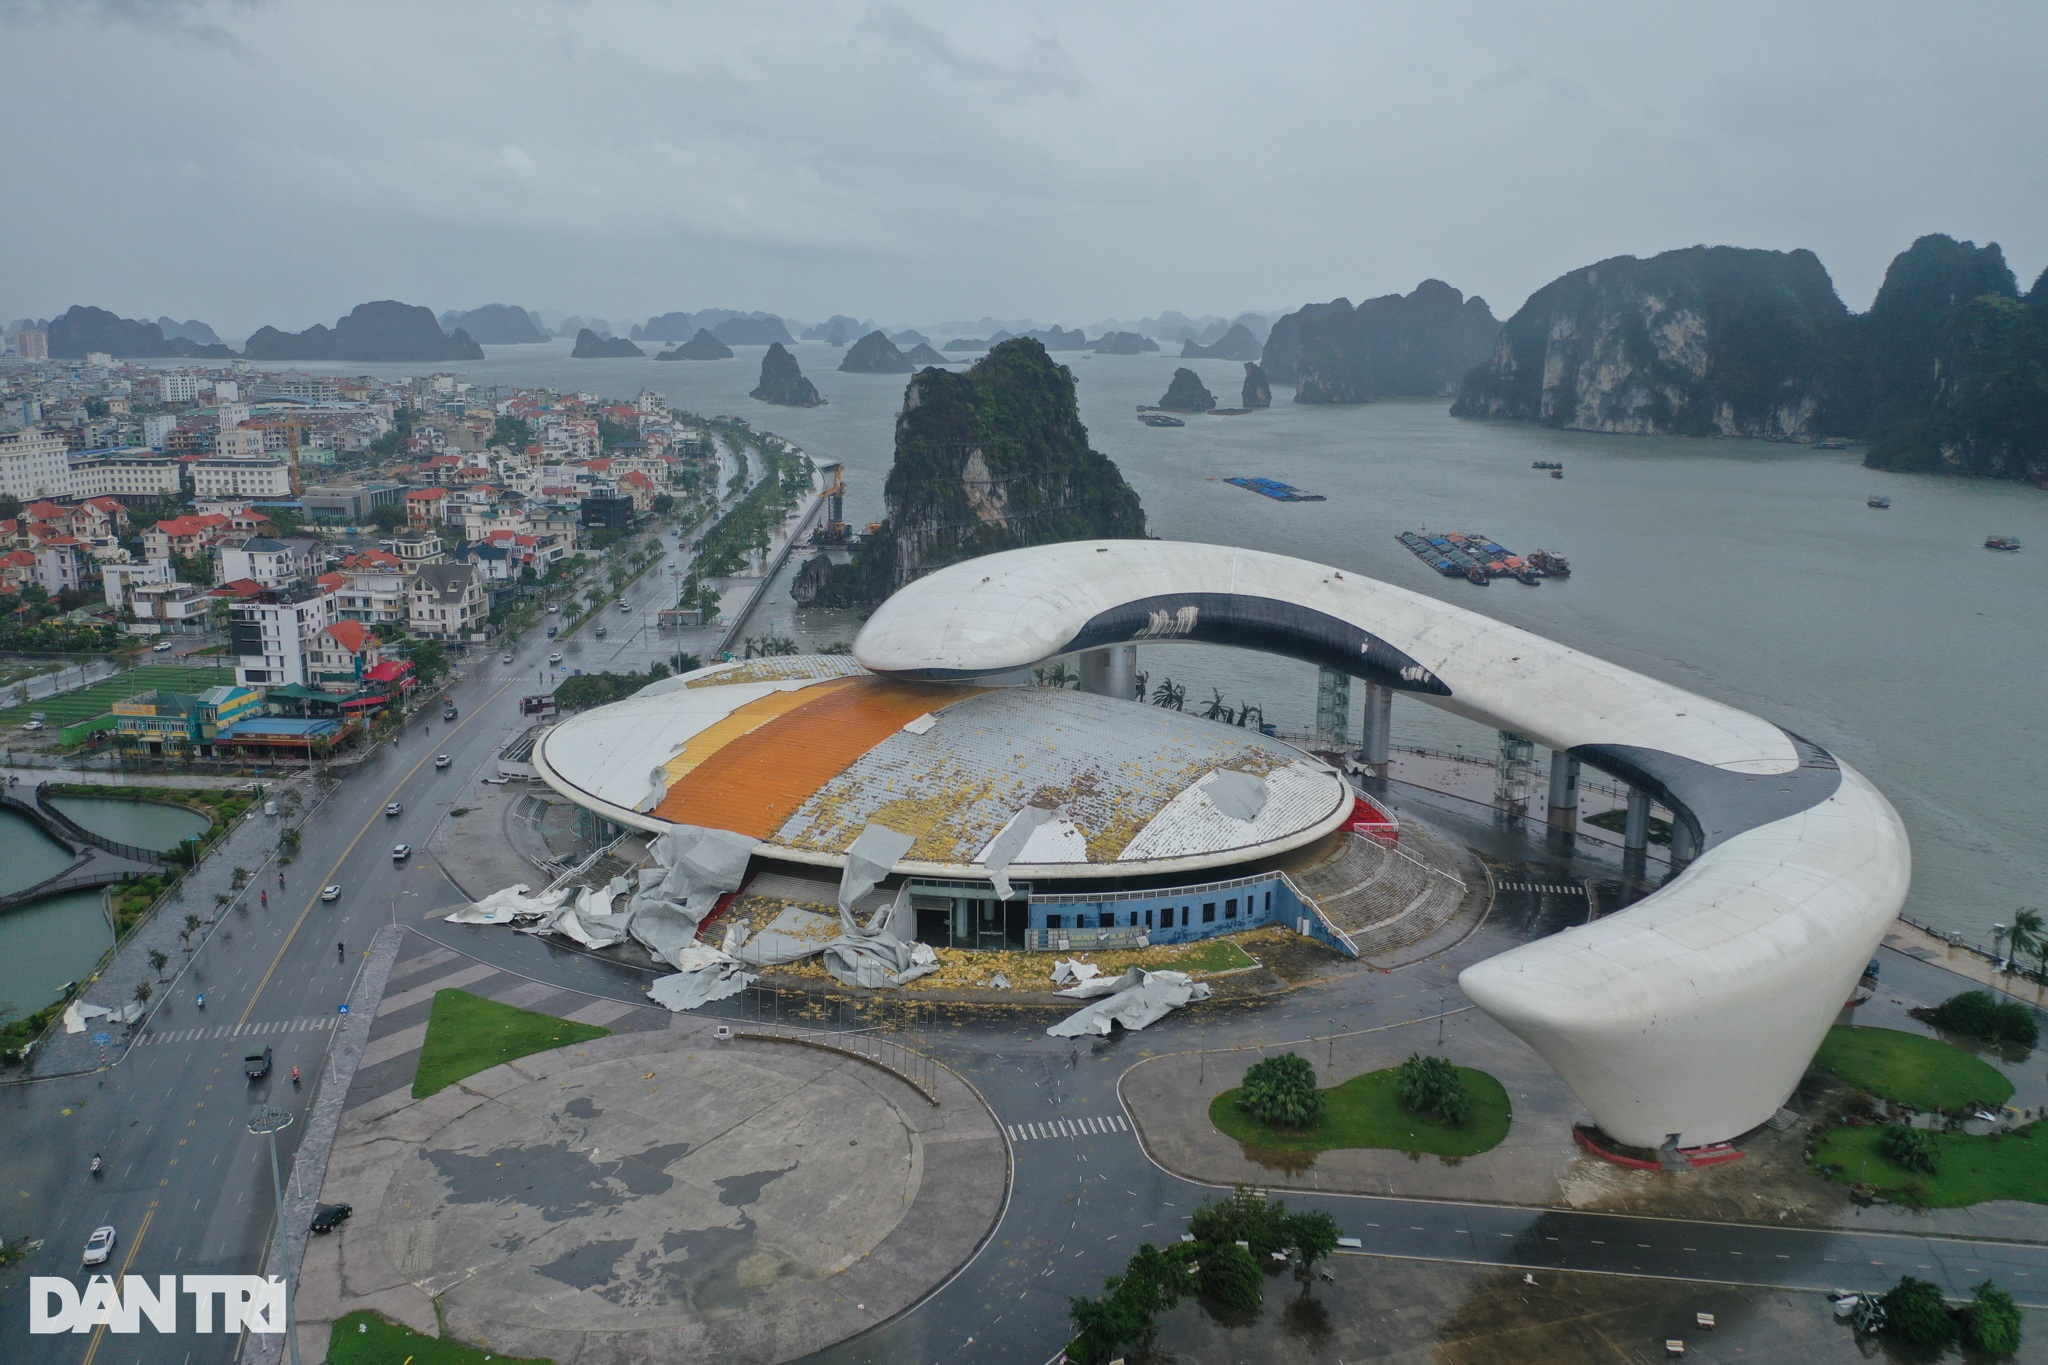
[[1973, 1169], [467, 1034], [1922, 1072], [84, 703], [1366, 1111], [367, 1339], [1211, 956]]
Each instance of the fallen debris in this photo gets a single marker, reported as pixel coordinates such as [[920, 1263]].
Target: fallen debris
[[1140, 998]]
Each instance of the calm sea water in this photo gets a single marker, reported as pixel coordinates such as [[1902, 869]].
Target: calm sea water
[[1746, 571]]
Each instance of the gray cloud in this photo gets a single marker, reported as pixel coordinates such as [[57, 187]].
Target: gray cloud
[[278, 162]]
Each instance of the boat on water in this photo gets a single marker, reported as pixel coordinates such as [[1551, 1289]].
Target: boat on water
[[1228, 412], [1274, 489], [2001, 542], [1557, 473], [1160, 419], [1480, 559], [1880, 503], [1546, 464]]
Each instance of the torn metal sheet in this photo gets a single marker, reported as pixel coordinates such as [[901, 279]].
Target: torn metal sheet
[[1148, 999], [707, 974], [1072, 971], [1241, 796], [503, 907], [878, 849]]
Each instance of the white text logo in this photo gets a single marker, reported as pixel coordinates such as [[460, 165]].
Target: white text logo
[[248, 1303]]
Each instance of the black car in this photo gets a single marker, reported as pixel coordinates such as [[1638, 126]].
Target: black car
[[448, 711], [328, 1217], [257, 1065]]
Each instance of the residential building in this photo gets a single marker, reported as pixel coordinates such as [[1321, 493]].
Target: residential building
[[608, 512], [242, 442], [240, 478], [424, 507], [178, 388], [417, 549], [173, 606], [135, 473], [273, 563], [62, 565], [275, 634], [18, 570], [342, 655], [119, 580], [226, 391], [34, 464], [157, 429], [31, 344], [447, 601], [375, 590], [188, 537]]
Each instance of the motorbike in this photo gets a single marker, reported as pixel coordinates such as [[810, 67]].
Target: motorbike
[[95, 1163], [202, 999]]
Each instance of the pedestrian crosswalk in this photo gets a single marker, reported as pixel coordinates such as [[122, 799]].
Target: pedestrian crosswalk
[[1068, 1128], [1544, 886], [200, 1035]]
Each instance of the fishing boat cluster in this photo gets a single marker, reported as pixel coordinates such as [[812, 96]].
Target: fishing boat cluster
[[1274, 489], [1480, 559]]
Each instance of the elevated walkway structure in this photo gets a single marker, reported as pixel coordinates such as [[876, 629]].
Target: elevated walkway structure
[[1688, 1017]]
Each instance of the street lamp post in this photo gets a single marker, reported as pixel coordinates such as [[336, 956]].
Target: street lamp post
[[268, 1122], [1997, 937]]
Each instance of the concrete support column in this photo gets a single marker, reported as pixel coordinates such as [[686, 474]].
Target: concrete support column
[[1111, 671], [1377, 730], [1564, 790], [1636, 834], [1684, 847]]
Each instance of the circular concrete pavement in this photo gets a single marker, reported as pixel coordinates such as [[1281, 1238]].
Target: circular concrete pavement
[[669, 1197]]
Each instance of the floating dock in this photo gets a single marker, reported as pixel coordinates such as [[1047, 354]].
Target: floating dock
[[1480, 559], [1276, 490]]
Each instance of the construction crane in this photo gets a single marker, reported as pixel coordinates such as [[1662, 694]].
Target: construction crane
[[292, 427]]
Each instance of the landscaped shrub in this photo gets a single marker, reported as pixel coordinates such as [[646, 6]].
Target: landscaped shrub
[[1246, 1216], [1980, 1014], [1916, 1314], [1433, 1087], [1992, 1321], [1913, 1149], [1282, 1091]]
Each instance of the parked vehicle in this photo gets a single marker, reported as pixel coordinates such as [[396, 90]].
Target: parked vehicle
[[328, 1217], [256, 1065], [33, 725], [161, 646]]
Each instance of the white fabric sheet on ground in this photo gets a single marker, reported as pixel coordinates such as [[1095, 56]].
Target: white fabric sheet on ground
[[707, 974], [1142, 998], [502, 907]]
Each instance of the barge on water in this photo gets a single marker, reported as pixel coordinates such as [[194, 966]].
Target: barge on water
[[1276, 490], [1479, 559]]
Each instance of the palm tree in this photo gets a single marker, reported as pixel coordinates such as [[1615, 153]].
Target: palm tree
[[1216, 708], [1169, 693], [2027, 935]]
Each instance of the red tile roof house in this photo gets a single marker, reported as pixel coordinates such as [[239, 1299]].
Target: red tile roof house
[[184, 535], [423, 506], [343, 656]]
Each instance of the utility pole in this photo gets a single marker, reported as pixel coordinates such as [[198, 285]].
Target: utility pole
[[268, 1122]]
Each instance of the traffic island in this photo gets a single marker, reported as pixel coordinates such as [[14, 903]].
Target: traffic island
[[656, 1197]]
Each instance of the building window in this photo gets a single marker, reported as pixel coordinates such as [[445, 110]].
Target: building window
[[1208, 912], [1269, 903], [1230, 908], [1106, 920], [1052, 921]]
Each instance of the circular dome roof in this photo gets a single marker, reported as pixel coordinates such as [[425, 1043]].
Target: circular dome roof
[[804, 752]]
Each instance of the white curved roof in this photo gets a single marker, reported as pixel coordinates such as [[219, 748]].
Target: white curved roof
[[804, 752], [1695, 1011]]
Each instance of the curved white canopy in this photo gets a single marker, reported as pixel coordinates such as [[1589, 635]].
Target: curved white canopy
[[1693, 1012]]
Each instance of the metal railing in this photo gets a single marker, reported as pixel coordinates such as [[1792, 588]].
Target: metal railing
[[80, 879], [913, 1068], [72, 829]]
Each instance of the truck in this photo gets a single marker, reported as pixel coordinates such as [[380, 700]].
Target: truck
[[256, 1065]]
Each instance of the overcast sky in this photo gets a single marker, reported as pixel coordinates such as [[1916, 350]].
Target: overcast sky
[[277, 161]]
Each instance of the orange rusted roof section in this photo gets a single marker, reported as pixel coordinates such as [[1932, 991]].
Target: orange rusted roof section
[[744, 719], [759, 779]]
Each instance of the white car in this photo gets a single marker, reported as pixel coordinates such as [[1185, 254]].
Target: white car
[[554, 658], [400, 852], [625, 606], [37, 725], [554, 607], [160, 646], [393, 809], [504, 658], [442, 760], [330, 893], [100, 1245]]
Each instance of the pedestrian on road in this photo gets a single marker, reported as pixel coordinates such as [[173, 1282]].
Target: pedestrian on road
[[280, 879], [266, 899], [340, 954]]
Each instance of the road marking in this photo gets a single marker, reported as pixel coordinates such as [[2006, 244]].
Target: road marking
[[133, 1247], [1067, 1128], [195, 1035], [334, 873]]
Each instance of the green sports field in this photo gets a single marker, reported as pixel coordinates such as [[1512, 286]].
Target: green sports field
[[98, 698]]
